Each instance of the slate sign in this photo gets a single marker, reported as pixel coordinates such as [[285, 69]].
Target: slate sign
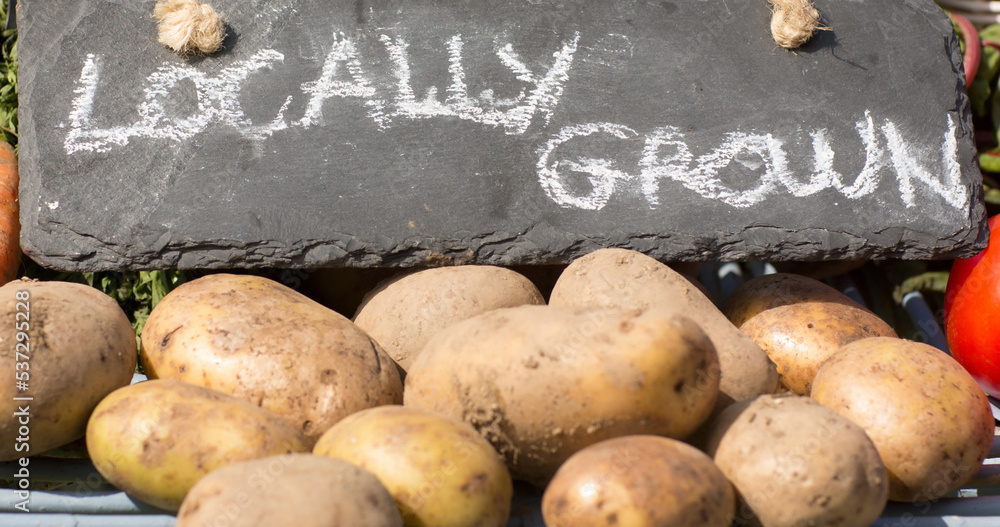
[[407, 132]]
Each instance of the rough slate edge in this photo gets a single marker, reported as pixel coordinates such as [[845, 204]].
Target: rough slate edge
[[510, 248]]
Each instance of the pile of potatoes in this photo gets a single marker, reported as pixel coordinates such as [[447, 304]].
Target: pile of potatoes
[[628, 396]]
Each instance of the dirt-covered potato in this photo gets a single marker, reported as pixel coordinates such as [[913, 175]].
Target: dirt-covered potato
[[439, 470], [628, 279], [639, 481], [799, 322], [65, 346], [293, 490], [795, 462], [156, 439], [262, 342], [403, 314], [542, 382], [928, 418]]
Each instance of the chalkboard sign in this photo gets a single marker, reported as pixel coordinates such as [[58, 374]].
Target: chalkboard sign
[[392, 132]]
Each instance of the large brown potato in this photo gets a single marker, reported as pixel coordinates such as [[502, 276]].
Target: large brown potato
[[928, 418], [264, 343], [439, 470], [70, 345], [543, 382], [156, 439], [628, 279], [795, 462], [799, 322], [639, 481], [293, 490], [404, 313]]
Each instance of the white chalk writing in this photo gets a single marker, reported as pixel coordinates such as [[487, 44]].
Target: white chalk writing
[[344, 51], [218, 101], [666, 156], [218, 96], [389, 98]]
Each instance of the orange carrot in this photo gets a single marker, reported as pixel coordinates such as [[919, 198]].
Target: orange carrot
[[10, 224]]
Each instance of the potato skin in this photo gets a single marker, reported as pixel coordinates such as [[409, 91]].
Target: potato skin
[[403, 314], [439, 470], [262, 342], [762, 293], [156, 439], [930, 421], [795, 462], [80, 347], [291, 490], [542, 382], [799, 322], [627, 279], [640, 481]]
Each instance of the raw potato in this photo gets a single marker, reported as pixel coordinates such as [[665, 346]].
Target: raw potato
[[799, 322], [628, 279], [928, 418], [156, 439], [639, 481], [403, 314], [439, 470], [293, 490], [795, 462], [262, 342], [542, 382], [76, 347], [771, 291]]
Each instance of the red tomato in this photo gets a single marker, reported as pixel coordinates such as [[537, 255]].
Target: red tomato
[[972, 313]]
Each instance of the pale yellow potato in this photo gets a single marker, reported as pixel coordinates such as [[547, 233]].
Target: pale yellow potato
[[76, 346], [542, 382], [404, 313], [156, 439], [799, 322], [621, 278], [262, 342], [439, 470], [930, 421], [292, 490], [639, 481], [795, 462]]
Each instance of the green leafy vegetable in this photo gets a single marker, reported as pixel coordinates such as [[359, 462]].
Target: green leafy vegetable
[[982, 87], [8, 81]]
